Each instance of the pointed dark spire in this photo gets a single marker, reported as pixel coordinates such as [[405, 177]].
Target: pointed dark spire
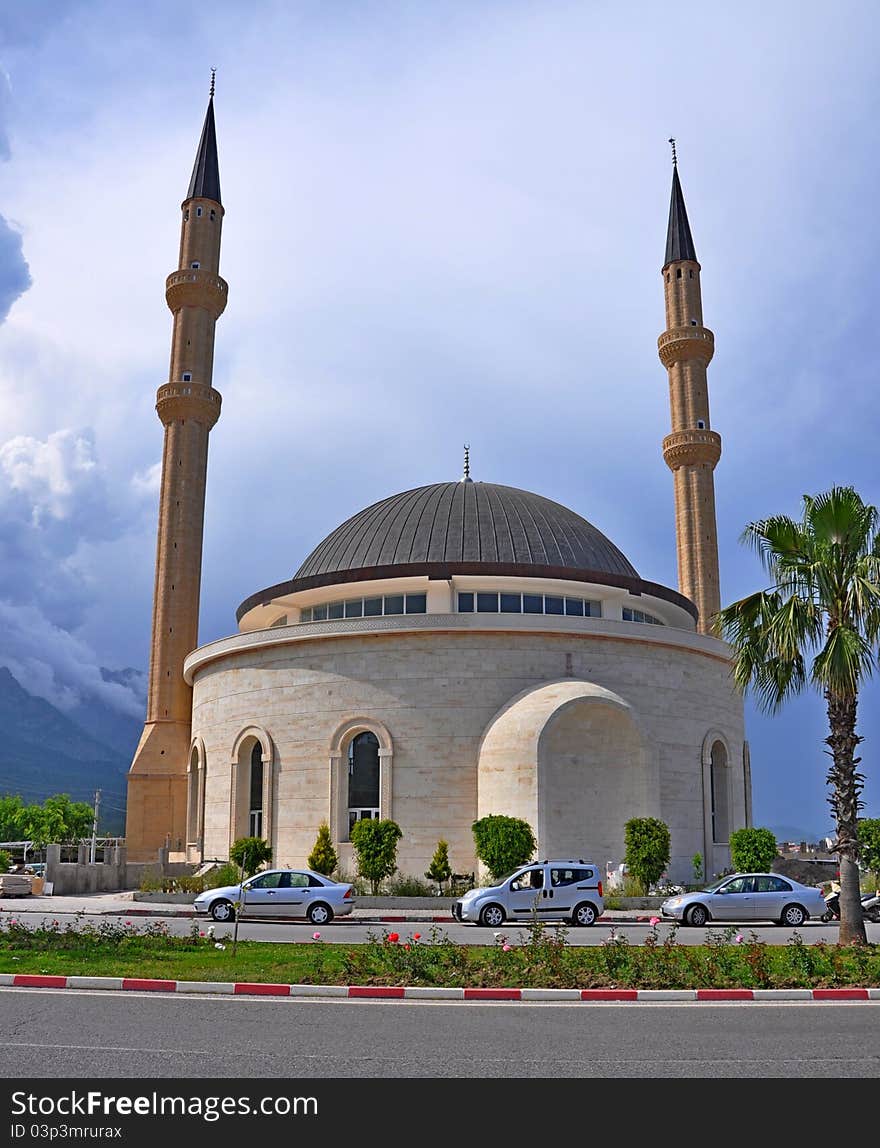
[[679, 243], [205, 182]]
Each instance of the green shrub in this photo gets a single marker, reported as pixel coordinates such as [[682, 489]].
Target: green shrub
[[869, 846], [752, 850], [697, 866], [647, 849], [226, 874], [375, 844], [405, 886], [440, 870], [503, 843], [5, 861], [323, 858], [249, 853]]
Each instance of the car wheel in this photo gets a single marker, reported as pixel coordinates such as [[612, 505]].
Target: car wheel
[[793, 915], [223, 911], [491, 916], [584, 914], [697, 915], [320, 914]]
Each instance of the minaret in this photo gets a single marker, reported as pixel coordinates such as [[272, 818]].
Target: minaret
[[692, 450], [188, 406]]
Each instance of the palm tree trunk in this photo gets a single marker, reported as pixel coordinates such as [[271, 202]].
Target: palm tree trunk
[[846, 785]]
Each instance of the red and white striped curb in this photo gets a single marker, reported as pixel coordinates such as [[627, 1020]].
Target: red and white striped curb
[[397, 992]]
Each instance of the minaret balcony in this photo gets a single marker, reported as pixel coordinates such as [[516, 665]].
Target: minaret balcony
[[691, 448], [192, 287], [686, 343], [188, 401]]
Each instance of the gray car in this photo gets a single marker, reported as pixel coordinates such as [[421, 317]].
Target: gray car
[[280, 893], [747, 897], [560, 890]]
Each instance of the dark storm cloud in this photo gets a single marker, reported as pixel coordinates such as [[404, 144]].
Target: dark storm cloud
[[15, 278]]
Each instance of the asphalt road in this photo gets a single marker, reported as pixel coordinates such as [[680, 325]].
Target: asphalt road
[[61, 1034], [354, 931]]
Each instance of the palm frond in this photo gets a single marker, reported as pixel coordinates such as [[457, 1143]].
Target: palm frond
[[844, 663]]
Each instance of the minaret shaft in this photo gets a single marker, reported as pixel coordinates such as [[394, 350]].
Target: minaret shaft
[[188, 406], [692, 449]]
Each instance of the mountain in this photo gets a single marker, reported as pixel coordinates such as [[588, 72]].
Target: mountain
[[793, 833], [46, 751]]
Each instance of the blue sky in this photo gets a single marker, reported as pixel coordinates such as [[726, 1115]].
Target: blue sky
[[445, 223]]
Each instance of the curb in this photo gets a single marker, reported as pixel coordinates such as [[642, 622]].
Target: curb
[[399, 992], [190, 914]]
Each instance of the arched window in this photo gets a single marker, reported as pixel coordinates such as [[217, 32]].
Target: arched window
[[255, 806], [363, 777], [719, 793]]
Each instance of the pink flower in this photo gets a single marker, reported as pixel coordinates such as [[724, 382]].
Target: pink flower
[[738, 938], [417, 936], [394, 938], [128, 924], [505, 948], [316, 936], [406, 947], [201, 934], [655, 921]]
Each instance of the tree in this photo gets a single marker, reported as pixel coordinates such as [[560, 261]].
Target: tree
[[869, 845], [58, 819], [249, 853], [752, 850], [503, 843], [323, 858], [11, 809], [817, 627], [375, 844], [647, 849], [440, 870]]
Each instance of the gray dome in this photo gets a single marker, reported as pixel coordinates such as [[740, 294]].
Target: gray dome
[[466, 522]]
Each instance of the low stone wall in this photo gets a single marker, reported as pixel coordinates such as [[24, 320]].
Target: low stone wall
[[113, 875]]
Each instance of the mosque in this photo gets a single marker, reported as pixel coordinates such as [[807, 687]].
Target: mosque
[[454, 650]]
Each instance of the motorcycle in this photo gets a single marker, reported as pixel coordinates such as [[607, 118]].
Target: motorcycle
[[832, 905], [870, 906]]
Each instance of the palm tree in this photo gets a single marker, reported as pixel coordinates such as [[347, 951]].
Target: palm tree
[[824, 605]]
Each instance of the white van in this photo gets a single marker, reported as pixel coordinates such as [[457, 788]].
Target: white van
[[567, 890]]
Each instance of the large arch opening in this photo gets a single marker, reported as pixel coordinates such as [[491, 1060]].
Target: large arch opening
[[570, 759]]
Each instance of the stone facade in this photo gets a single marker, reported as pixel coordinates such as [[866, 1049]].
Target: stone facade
[[576, 727]]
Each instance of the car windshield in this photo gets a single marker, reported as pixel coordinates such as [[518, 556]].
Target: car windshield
[[716, 884]]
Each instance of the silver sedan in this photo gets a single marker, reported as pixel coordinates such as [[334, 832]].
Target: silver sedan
[[280, 893], [747, 897]]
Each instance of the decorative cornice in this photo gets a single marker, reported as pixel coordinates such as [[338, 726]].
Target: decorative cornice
[[398, 625]]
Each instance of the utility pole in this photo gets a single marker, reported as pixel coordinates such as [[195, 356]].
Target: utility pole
[[95, 827]]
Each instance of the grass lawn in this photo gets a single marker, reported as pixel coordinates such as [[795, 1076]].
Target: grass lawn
[[545, 960]]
